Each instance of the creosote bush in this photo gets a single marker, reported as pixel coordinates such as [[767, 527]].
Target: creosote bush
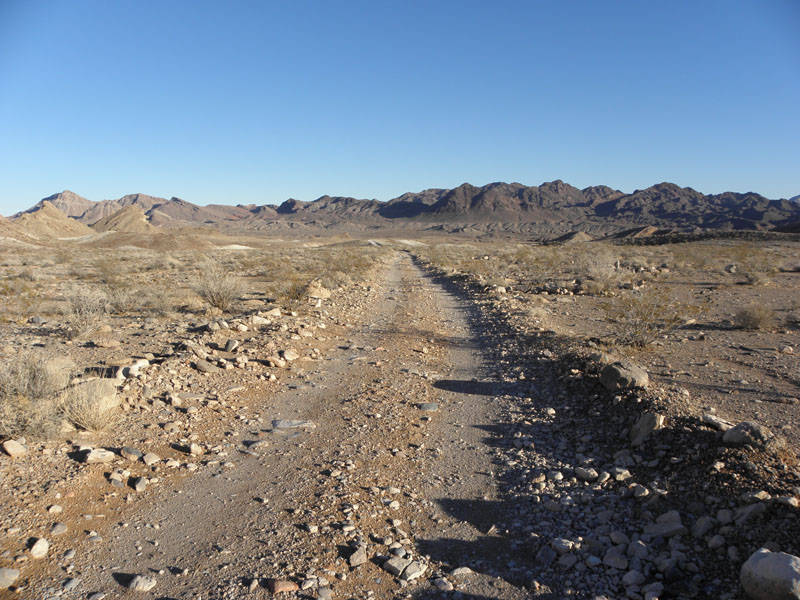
[[640, 318], [756, 317], [218, 286], [85, 310]]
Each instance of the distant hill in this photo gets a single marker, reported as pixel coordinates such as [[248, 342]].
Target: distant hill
[[549, 210], [159, 211], [130, 219], [46, 221]]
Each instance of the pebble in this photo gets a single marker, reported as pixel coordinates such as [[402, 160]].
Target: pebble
[[98, 456], [279, 586], [8, 577], [150, 459], [39, 548], [141, 583], [14, 449]]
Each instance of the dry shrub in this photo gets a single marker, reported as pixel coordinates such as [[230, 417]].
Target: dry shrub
[[640, 318], [92, 405], [595, 266], [756, 317], [218, 286], [294, 292], [85, 310], [29, 384], [124, 299]]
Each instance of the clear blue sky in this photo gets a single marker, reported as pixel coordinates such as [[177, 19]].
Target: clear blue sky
[[239, 102]]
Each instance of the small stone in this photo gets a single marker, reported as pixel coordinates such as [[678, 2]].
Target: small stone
[[396, 565], [8, 577], [443, 585], [429, 407], [615, 558], [633, 577], [292, 424], [206, 367], [289, 355], [667, 530], [744, 514], [139, 484], [562, 546], [461, 572], [702, 526], [585, 474], [130, 453], [280, 586], [358, 558], [324, 593], [141, 583], [70, 584], [749, 433], [13, 448], [150, 459], [98, 455], [58, 529], [647, 423], [413, 571], [196, 450], [623, 374], [40, 548]]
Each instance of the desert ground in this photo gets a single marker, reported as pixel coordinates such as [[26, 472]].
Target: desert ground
[[337, 416]]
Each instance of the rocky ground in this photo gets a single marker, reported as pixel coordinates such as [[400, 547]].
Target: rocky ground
[[416, 437]]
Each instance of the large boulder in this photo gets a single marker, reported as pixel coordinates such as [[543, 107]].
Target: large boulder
[[771, 576], [623, 374]]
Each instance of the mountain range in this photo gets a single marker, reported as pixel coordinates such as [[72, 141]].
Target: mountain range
[[552, 208]]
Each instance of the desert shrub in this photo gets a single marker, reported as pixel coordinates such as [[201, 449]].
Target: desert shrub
[[84, 311], [596, 266], [158, 300], [123, 299], [91, 405], [640, 318], [756, 317], [293, 292], [218, 286], [29, 384]]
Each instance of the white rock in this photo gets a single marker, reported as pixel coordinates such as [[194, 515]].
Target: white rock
[[13, 448], [40, 548], [8, 577], [141, 583]]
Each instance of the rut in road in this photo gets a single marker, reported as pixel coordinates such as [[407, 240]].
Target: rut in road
[[396, 459]]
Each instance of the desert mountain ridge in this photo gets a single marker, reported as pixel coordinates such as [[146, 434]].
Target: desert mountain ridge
[[553, 207]]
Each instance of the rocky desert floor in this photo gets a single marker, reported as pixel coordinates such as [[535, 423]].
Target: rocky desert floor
[[398, 419]]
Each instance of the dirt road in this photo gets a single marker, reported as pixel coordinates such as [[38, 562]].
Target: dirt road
[[385, 446]]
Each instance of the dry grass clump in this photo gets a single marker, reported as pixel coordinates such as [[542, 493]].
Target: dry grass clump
[[756, 317], [640, 318], [29, 384], [84, 311], [218, 286], [92, 405]]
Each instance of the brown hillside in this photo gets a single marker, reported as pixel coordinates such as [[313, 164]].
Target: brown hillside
[[130, 219], [49, 222]]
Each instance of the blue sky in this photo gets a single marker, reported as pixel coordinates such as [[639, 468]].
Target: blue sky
[[240, 102]]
